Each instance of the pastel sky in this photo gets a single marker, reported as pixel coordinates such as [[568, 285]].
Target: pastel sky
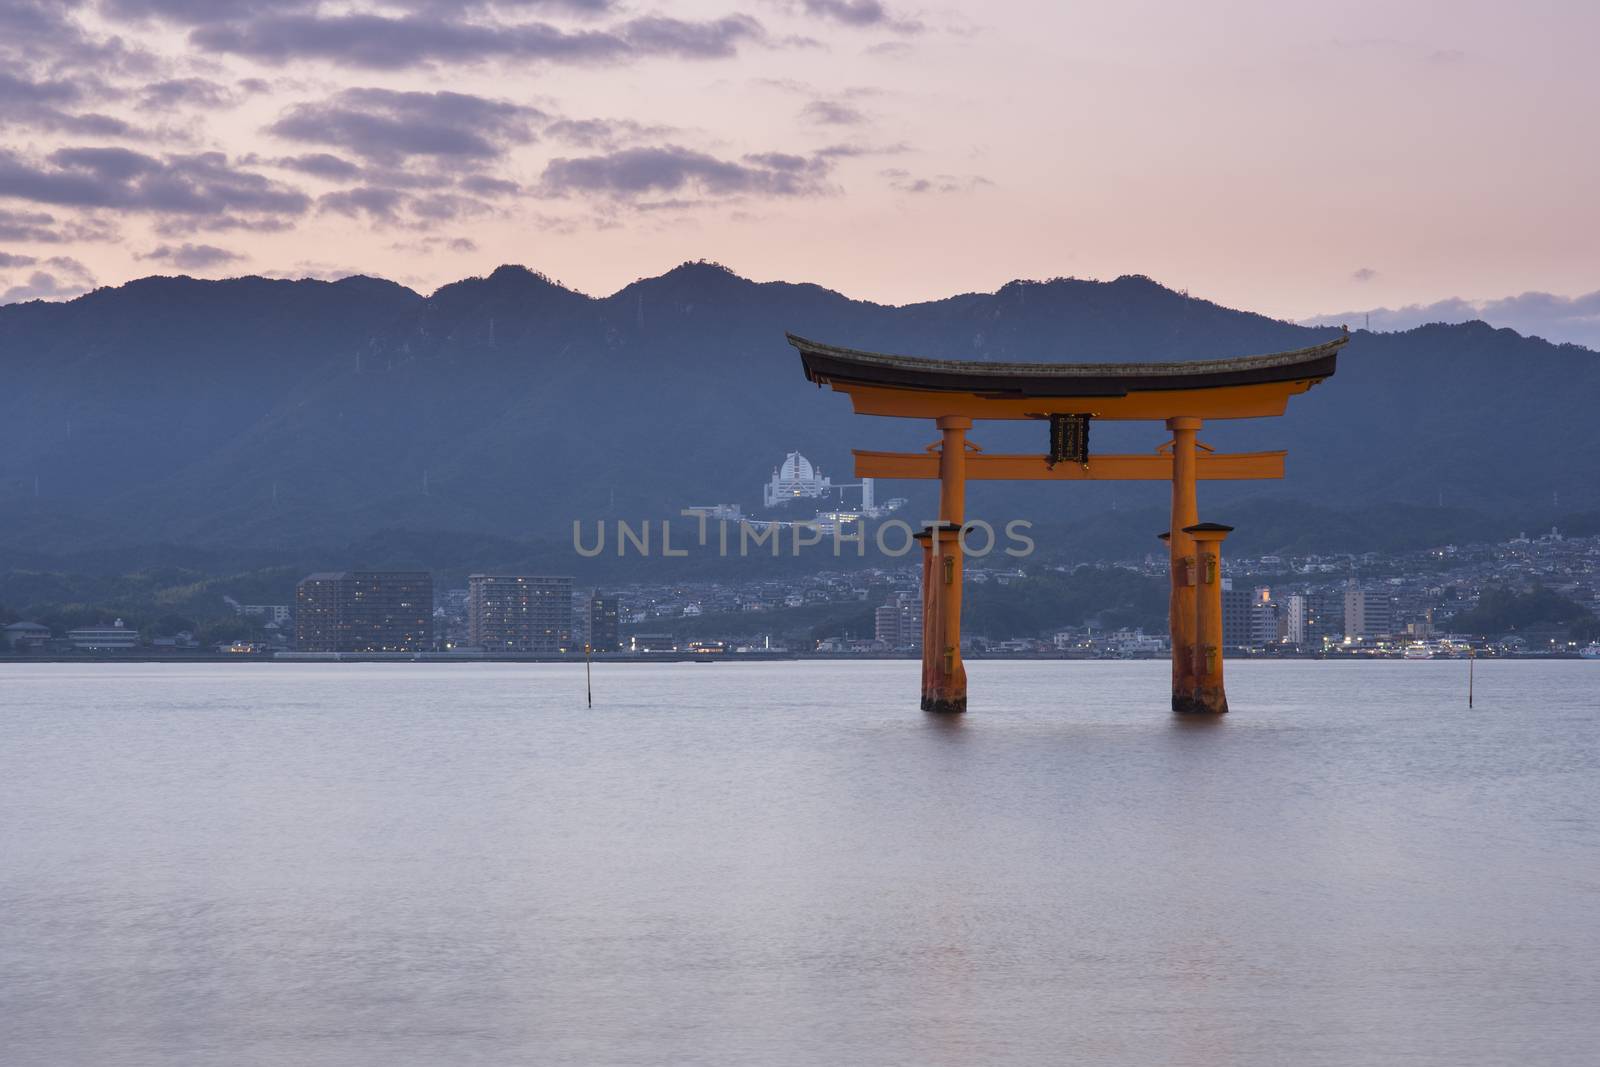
[[1292, 158]]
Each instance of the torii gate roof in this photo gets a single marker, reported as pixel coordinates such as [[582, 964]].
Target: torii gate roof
[[911, 386]]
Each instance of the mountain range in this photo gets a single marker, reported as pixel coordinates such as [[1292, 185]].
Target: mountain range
[[289, 419]]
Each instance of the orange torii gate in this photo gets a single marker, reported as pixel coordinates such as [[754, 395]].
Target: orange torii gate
[[953, 393]]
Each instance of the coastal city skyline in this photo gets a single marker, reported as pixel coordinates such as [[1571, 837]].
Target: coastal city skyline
[[1536, 594]]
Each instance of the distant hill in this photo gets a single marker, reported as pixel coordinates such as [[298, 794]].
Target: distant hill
[[284, 418]]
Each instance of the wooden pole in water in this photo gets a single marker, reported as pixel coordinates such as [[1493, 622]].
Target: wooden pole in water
[[588, 673], [1472, 661]]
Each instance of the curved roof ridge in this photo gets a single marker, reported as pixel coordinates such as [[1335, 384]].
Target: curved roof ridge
[[1292, 358]]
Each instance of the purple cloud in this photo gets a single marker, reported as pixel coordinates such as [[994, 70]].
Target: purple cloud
[[391, 127], [600, 133], [376, 203], [191, 256], [185, 92], [39, 227], [832, 113], [201, 184], [635, 172], [1573, 319], [321, 165], [195, 12], [860, 13], [389, 43], [43, 104], [904, 181], [63, 277]]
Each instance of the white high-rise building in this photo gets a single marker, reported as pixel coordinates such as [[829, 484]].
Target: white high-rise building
[[1295, 613], [796, 479]]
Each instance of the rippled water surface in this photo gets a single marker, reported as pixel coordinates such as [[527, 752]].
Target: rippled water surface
[[789, 864]]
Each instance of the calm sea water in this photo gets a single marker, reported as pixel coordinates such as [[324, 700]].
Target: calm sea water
[[790, 864]]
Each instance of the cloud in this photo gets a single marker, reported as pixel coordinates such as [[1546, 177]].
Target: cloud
[[185, 92], [376, 203], [18, 91], [395, 205], [904, 181], [320, 165], [832, 113], [716, 39], [386, 42], [41, 104], [64, 277], [191, 256], [200, 184], [860, 13], [1574, 319], [8, 259], [890, 50], [1363, 274], [38, 227], [204, 12], [392, 127], [445, 207], [428, 245], [484, 185], [184, 226], [192, 12], [600, 133], [852, 151], [44, 32], [632, 173]]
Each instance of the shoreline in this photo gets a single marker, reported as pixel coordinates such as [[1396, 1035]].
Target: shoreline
[[692, 657]]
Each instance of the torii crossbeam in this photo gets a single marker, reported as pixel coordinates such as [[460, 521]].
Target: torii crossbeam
[[953, 393]]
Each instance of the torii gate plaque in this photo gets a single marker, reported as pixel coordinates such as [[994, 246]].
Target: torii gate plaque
[[953, 393]]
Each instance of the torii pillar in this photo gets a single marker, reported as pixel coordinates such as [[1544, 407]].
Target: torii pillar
[[1208, 696], [944, 678], [1181, 607]]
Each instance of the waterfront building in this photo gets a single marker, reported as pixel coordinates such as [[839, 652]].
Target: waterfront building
[[22, 636], [652, 643], [1324, 618], [1367, 615], [605, 616], [520, 613], [1265, 623], [1296, 608], [364, 611], [1236, 614], [897, 624], [114, 638]]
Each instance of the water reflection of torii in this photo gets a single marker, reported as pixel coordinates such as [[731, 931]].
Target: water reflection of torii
[[952, 393]]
